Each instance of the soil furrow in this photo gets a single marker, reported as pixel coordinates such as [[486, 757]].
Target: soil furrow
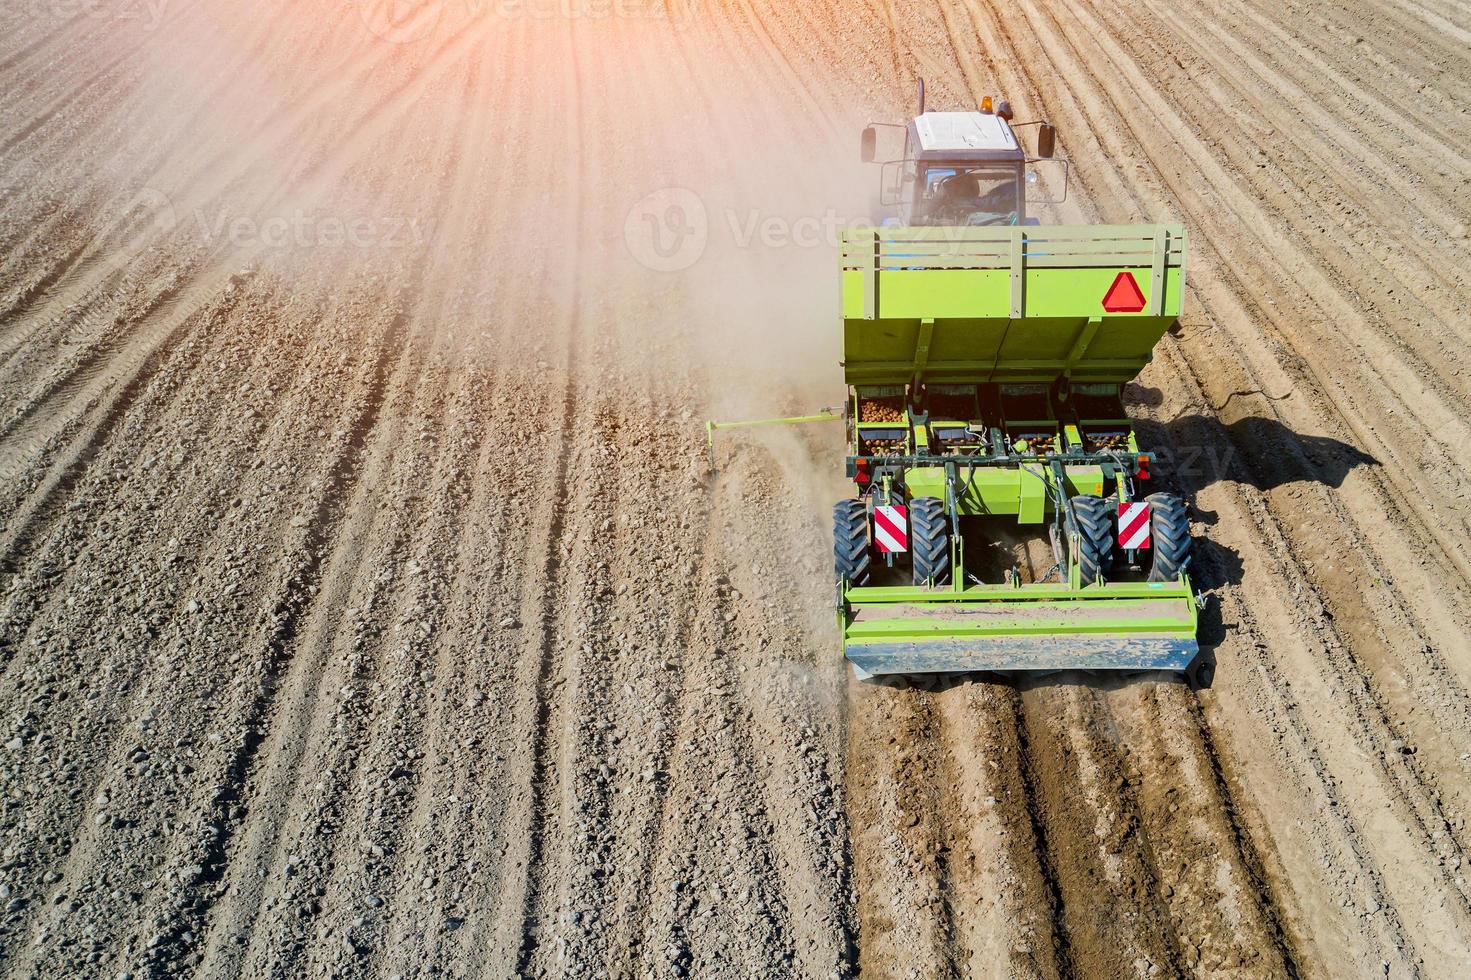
[[367, 606]]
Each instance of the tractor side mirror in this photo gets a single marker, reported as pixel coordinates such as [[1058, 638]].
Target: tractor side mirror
[[893, 181], [1047, 180], [1046, 140], [869, 144]]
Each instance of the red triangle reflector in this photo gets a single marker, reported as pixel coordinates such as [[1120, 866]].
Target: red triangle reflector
[[1124, 296]]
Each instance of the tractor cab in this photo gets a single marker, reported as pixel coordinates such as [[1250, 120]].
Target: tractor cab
[[963, 169], [960, 193]]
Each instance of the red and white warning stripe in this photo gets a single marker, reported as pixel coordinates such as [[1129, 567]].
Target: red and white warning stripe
[[891, 528], [1134, 525]]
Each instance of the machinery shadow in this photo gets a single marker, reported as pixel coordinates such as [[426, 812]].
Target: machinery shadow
[[1190, 453], [1193, 452], [1094, 680]]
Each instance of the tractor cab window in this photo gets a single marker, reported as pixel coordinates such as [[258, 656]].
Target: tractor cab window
[[952, 194]]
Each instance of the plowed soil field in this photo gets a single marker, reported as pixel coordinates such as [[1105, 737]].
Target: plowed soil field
[[369, 607]]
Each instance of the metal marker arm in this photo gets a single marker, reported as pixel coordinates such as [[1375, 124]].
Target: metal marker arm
[[826, 415]]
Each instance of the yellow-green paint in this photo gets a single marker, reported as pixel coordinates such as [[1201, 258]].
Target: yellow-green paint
[[986, 293], [1033, 490], [1005, 305], [1003, 491]]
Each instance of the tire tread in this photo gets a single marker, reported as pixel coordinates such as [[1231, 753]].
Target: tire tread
[[852, 556], [1095, 523], [1170, 533], [929, 541]]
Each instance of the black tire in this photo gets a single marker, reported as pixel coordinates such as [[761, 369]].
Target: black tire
[[929, 541], [1169, 523], [1091, 522], [1202, 673], [852, 558]]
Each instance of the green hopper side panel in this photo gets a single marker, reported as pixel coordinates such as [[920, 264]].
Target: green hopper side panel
[[1019, 491], [1022, 304], [1139, 626]]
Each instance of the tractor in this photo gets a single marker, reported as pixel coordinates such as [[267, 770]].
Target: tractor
[[985, 357]]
